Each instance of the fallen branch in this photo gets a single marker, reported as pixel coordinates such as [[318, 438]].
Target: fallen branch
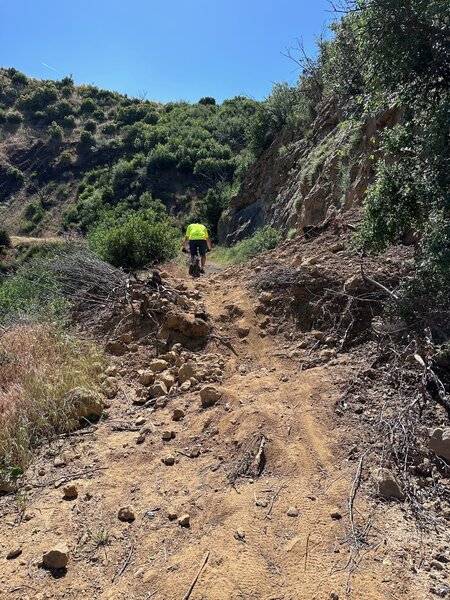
[[274, 497], [194, 581], [125, 563], [379, 285]]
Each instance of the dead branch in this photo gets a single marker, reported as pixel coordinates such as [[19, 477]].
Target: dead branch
[[194, 581], [274, 497]]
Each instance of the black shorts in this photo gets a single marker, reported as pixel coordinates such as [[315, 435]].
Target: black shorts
[[200, 244]]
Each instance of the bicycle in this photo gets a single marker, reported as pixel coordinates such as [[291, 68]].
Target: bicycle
[[195, 267]]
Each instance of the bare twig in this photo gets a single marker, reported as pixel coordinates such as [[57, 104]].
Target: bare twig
[[274, 497], [194, 581]]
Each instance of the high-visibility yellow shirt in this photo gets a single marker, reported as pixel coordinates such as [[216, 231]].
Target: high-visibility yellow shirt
[[196, 231]]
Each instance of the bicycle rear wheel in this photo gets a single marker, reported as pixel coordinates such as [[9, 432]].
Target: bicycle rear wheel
[[196, 267]]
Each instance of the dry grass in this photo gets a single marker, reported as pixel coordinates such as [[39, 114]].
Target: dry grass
[[39, 365]]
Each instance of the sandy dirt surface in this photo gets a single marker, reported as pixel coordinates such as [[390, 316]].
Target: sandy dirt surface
[[254, 549]]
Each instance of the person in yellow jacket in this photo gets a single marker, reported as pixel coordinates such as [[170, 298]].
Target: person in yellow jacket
[[197, 237]]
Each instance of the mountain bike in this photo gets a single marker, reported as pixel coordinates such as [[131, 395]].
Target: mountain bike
[[195, 267]]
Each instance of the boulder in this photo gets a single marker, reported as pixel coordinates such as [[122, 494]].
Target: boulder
[[186, 371], [158, 365], [209, 395], [440, 442], [387, 484], [243, 330], [57, 557], [157, 390], [187, 324], [85, 402], [167, 378]]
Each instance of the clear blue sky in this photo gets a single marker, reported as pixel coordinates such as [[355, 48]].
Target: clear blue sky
[[172, 49]]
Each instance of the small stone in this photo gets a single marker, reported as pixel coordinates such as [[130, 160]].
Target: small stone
[[239, 534], [111, 371], [177, 414], [110, 387], [141, 421], [70, 491], [184, 387], [117, 348], [265, 297], [440, 442], [336, 515], [41, 472], [292, 512], [157, 390], [184, 520], [334, 596], [57, 557], [194, 453], [169, 460], [172, 514], [243, 331], [167, 379], [60, 461], [14, 553], [168, 435], [388, 486], [209, 395], [261, 502], [126, 513]]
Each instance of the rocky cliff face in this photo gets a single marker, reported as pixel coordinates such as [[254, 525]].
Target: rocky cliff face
[[296, 182]]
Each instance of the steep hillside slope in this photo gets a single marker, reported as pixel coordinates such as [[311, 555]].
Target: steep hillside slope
[[298, 180]]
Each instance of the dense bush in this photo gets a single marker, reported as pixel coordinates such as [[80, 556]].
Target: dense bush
[[14, 117], [5, 239], [265, 238], [134, 240], [55, 132]]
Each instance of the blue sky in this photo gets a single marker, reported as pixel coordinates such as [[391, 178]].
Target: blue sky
[[169, 49]]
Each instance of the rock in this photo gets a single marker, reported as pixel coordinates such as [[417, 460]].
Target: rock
[[186, 371], [126, 513], [440, 442], [184, 387], [70, 491], [292, 512], [334, 596], [110, 387], [116, 347], [147, 428], [167, 379], [336, 515], [265, 297], [14, 553], [243, 330], [57, 557], [170, 357], [146, 376], [239, 534], [177, 414], [172, 514], [60, 461], [187, 324], [168, 435], [111, 371], [8, 486], [158, 365], [388, 486], [157, 390], [141, 421], [194, 453], [85, 402], [184, 520], [209, 395], [169, 460], [234, 310]]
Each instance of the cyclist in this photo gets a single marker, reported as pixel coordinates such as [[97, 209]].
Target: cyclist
[[197, 237]]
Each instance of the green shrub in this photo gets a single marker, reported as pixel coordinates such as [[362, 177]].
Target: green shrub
[[39, 97], [88, 106], [108, 129], [14, 117], [14, 176], [55, 132], [265, 238], [5, 239], [64, 160], [34, 212], [134, 241], [86, 139], [90, 125], [208, 101], [19, 78], [2, 116], [69, 122]]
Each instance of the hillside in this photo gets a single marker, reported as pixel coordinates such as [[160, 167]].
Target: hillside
[[68, 153]]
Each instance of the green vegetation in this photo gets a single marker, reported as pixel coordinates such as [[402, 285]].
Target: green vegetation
[[265, 238], [5, 239]]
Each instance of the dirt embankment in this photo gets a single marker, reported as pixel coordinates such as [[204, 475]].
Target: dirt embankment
[[252, 486]]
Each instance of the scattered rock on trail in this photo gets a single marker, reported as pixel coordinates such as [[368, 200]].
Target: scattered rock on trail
[[70, 491], [209, 395], [85, 402], [239, 534], [336, 515], [8, 486], [184, 387], [167, 379], [57, 557], [387, 484], [157, 390], [265, 297], [172, 514], [184, 520], [14, 553], [186, 324], [146, 376], [292, 512], [168, 435], [177, 414], [126, 513], [169, 460], [110, 387], [158, 365], [440, 442], [243, 331], [116, 347]]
